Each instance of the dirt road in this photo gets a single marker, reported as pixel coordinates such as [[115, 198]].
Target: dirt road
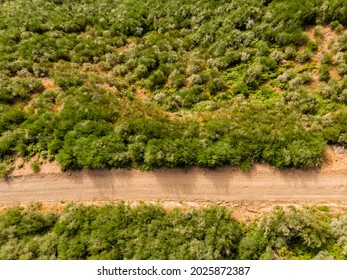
[[229, 185], [262, 183]]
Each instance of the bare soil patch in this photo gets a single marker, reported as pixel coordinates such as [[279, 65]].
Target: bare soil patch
[[141, 94], [107, 87], [49, 84]]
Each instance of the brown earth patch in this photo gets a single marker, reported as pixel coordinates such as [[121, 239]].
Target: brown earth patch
[[107, 87], [49, 84], [141, 94]]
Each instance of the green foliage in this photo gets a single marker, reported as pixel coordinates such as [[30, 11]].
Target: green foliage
[[241, 88], [76, 79], [21, 231], [312, 46], [68, 80], [339, 225], [304, 57], [35, 166], [288, 235], [176, 79], [324, 73], [147, 232], [327, 59], [5, 167], [342, 43], [19, 89], [10, 118]]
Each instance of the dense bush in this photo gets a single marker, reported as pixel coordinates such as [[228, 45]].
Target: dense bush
[[72, 74], [294, 234], [149, 232]]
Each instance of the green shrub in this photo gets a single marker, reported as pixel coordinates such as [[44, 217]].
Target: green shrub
[[290, 53], [35, 166], [306, 78], [324, 73], [10, 118], [141, 71], [68, 80], [304, 56], [327, 59], [156, 80], [312, 46], [342, 43], [241, 88], [318, 33], [176, 79], [253, 76], [342, 69], [6, 167]]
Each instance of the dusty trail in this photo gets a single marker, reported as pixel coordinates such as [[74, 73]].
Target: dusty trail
[[248, 193], [262, 183]]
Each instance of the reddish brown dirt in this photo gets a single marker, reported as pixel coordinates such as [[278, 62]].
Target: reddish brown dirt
[[141, 94], [49, 84]]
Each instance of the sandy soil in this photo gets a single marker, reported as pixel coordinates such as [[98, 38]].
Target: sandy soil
[[251, 192]]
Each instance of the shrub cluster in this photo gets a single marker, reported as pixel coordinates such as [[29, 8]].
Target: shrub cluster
[[150, 232], [146, 84]]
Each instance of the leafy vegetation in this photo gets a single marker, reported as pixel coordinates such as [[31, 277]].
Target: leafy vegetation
[[150, 232], [147, 84]]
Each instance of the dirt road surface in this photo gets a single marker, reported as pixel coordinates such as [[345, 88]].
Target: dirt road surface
[[262, 183], [249, 194]]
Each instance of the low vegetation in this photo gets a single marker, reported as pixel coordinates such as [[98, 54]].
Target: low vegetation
[[150, 232], [149, 84]]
